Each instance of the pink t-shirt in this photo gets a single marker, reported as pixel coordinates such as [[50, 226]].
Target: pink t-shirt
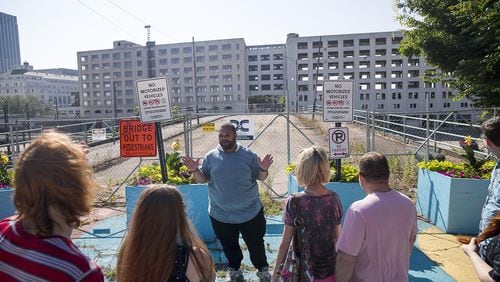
[[380, 231]]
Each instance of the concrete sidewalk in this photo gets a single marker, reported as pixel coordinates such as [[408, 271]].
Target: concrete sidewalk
[[435, 257], [444, 249]]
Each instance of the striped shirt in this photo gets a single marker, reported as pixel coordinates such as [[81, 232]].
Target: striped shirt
[[28, 257]]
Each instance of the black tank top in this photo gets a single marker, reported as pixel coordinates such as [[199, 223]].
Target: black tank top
[[180, 264]]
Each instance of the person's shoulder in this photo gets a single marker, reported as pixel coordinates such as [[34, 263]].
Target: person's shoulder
[[245, 150], [212, 153], [402, 197], [361, 204]]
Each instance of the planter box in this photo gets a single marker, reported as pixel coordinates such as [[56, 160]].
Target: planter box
[[196, 199], [349, 192], [6, 205], [452, 204]]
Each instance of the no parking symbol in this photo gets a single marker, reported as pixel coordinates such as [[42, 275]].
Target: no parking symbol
[[338, 142]]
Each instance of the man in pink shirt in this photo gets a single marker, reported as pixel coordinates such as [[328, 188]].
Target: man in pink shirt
[[379, 231]]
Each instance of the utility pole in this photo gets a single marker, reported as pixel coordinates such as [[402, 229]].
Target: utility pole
[[195, 85], [150, 46], [113, 86], [316, 80]]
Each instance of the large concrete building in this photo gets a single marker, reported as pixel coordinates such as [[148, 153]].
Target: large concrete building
[[385, 80], [266, 76], [228, 76], [10, 54], [55, 90], [211, 76]]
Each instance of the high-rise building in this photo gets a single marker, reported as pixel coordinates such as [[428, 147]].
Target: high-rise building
[[10, 54], [266, 77], [213, 74], [228, 76], [385, 81]]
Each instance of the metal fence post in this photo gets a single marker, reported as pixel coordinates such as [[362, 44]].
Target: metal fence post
[[372, 143], [427, 136], [187, 148], [405, 138], [367, 125]]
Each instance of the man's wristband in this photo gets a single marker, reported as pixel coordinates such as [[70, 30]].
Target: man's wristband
[[263, 170]]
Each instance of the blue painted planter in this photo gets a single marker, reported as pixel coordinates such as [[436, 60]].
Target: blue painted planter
[[196, 199], [6, 204], [349, 192], [452, 204]]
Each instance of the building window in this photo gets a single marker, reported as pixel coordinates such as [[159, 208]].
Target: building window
[[364, 42], [278, 57], [348, 43], [333, 44]]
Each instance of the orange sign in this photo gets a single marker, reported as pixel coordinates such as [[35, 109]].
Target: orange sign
[[137, 139]]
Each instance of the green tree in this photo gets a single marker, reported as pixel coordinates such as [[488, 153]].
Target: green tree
[[17, 105], [461, 39]]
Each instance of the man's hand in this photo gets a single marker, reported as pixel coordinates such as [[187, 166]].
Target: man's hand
[[266, 162], [191, 164]]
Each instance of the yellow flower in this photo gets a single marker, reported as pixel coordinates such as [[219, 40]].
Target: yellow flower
[[175, 145], [468, 140], [4, 159]]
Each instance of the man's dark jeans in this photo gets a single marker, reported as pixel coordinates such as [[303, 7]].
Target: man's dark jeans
[[252, 231]]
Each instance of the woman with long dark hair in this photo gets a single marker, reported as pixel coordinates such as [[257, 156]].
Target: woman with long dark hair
[[161, 243]]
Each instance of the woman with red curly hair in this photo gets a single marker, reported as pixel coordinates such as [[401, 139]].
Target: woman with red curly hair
[[54, 188]]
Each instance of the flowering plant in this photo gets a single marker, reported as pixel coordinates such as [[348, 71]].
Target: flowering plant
[[6, 174], [177, 172], [479, 169], [350, 172]]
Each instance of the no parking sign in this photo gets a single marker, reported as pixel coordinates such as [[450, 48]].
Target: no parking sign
[[338, 142]]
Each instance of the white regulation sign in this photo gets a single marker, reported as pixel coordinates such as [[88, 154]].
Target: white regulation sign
[[244, 128], [338, 142], [154, 99], [337, 100]]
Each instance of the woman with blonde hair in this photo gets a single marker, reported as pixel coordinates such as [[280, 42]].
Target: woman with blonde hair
[[54, 188], [316, 211], [161, 243]]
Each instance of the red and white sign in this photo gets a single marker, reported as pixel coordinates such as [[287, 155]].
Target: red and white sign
[[337, 100], [137, 139]]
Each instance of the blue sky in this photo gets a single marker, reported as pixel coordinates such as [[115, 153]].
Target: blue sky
[[52, 31]]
